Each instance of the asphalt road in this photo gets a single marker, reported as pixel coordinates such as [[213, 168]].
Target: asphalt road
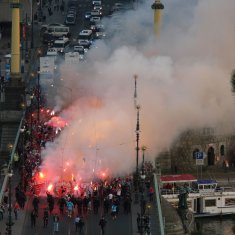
[[122, 225]]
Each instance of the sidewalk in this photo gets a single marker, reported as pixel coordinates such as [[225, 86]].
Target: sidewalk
[[19, 223], [151, 210]]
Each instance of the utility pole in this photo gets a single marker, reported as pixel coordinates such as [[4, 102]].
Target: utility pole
[[38, 95]]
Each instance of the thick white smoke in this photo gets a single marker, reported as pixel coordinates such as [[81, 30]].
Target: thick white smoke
[[183, 82]]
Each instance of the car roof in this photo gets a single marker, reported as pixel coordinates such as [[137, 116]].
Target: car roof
[[70, 15], [86, 31]]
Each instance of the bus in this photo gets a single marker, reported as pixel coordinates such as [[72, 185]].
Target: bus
[[85, 34]]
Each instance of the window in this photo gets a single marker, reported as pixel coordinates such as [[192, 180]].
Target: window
[[229, 201], [210, 202], [222, 150]]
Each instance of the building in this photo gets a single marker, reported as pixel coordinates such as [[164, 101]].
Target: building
[[181, 157]]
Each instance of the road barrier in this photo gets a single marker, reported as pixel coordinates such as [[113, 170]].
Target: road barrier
[[5, 181], [159, 209]]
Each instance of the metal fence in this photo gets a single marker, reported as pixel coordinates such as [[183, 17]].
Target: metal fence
[[5, 181], [159, 209]]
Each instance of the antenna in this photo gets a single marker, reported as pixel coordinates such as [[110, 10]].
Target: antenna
[[135, 92]]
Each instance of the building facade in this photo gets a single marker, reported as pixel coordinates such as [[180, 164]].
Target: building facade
[[217, 150]]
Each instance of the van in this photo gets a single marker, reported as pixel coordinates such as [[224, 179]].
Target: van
[[61, 44], [57, 30]]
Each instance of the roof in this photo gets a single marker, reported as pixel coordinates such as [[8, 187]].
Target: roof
[[206, 182], [177, 178]]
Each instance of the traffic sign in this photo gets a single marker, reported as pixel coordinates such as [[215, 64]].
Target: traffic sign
[[199, 162], [199, 156]]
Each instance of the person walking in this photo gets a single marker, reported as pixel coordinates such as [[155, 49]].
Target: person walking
[[56, 223], [77, 219], [33, 217], [16, 209], [70, 208], [45, 217], [102, 224], [81, 225], [114, 211], [2, 210], [35, 204]]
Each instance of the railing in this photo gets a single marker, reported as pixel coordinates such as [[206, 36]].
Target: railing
[[5, 181], [175, 192], [158, 200]]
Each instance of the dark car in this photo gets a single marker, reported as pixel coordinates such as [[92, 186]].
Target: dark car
[[88, 15], [70, 19], [73, 3], [47, 38]]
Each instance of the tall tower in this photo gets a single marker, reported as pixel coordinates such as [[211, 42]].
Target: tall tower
[[15, 41], [157, 6]]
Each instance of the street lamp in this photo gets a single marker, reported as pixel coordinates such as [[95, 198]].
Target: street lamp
[[137, 130], [9, 223], [23, 159], [38, 95], [143, 149], [32, 23]]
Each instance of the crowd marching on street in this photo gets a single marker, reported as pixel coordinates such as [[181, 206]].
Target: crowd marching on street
[[103, 198]]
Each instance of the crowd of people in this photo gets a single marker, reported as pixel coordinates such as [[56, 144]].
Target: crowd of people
[[104, 197]]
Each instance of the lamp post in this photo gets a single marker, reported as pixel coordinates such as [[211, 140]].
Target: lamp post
[[38, 95], [137, 154], [143, 149], [23, 159], [137, 131], [9, 223], [32, 22]]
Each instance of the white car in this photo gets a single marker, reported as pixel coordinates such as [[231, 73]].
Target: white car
[[85, 43], [97, 7], [96, 13], [96, 2], [79, 49], [52, 52]]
